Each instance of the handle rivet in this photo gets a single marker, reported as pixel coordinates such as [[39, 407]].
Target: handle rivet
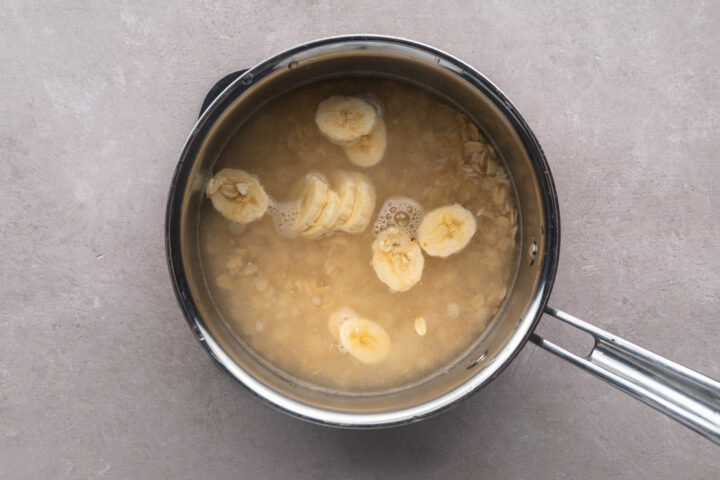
[[532, 252], [477, 361]]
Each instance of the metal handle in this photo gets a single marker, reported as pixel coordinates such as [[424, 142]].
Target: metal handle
[[688, 397]]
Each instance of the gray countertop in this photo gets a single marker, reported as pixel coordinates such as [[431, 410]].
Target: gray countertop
[[100, 376]]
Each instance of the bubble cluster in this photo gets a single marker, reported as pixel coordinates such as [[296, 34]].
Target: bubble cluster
[[283, 216], [401, 212], [453, 310]]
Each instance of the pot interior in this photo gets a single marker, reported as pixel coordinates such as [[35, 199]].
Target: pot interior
[[459, 86]]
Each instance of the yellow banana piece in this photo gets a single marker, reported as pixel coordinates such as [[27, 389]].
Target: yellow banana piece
[[312, 200], [446, 230], [326, 221], [362, 338], [343, 120], [344, 184], [369, 149], [397, 259], [363, 206], [237, 195]]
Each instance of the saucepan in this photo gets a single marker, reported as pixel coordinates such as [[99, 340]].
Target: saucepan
[[686, 396]]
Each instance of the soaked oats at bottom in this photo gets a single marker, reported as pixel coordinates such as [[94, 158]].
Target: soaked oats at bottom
[[277, 293]]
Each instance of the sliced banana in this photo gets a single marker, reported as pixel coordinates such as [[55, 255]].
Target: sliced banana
[[370, 148], [446, 230], [344, 184], [344, 120], [326, 221], [337, 319], [362, 338], [365, 340], [363, 206], [397, 259], [237, 195], [311, 201], [316, 209]]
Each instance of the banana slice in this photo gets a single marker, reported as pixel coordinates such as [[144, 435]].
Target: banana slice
[[397, 259], [312, 200], [343, 120], [326, 221], [336, 320], [363, 206], [365, 340], [370, 148], [237, 195], [344, 184], [446, 230], [362, 338]]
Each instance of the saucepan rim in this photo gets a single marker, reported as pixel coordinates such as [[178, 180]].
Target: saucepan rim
[[548, 257]]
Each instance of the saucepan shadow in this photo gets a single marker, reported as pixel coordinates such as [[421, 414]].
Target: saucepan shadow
[[453, 441]]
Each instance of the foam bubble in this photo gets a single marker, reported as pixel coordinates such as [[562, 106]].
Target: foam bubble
[[283, 216], [401, 212]]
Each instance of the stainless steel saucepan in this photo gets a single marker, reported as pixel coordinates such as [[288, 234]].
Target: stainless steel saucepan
[[676, 391]]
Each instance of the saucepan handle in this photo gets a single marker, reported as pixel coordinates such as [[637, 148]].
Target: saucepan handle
[[688, 397], [218, 88]]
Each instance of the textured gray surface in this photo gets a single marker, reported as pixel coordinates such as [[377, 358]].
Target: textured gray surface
[[101, 378]]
